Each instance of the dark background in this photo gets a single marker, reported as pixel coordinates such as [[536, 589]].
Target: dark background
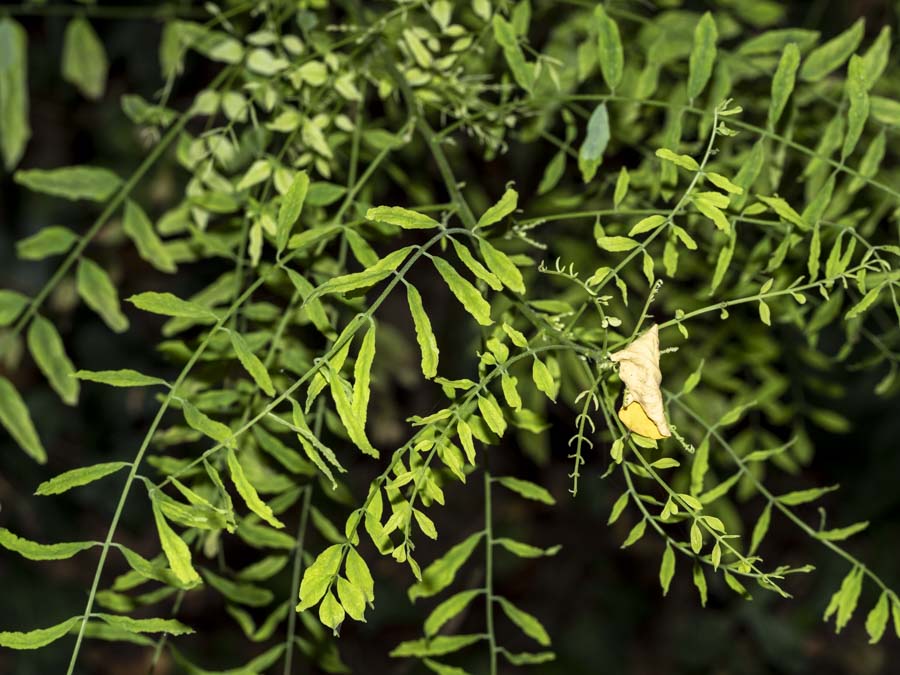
[[601, 605]]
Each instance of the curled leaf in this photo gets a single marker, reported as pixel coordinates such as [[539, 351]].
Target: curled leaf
[[642, 407]]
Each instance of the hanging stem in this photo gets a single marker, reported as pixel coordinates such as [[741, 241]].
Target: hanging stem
[[489, 574]]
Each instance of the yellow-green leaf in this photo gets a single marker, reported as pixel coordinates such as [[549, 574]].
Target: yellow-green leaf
[[78, 477], [84, 61], [150, 247], [14, 128], [609, 48], [71, 182], [703, 55], [177, 552], [35, 551], [465, 292], [15, 418], [504, 268], [403, 218], [832, 55], [248, 492], [251, 362], [40, 637], [500, 210], [46, 346], [783, 82], [290, 209], [424, 334], [98, 292]]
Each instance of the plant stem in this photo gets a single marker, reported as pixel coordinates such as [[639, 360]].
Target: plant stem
[[298, 567], [489, 573]]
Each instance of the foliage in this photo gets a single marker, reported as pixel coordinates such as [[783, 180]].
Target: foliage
[[715, 176]]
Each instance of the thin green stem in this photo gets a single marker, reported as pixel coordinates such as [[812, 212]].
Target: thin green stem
[[298, 567], [489, 573]]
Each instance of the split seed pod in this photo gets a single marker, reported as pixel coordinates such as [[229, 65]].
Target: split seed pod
[[642, 406]]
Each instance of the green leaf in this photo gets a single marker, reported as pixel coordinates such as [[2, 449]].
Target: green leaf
[[38, 638], [71, 182], [856, 89], [500, 210], [525, 621], [448, 609], [684, 161], [52, 240], [609, 48], [317, 576], [465, 292], [774, 41], [543, 379], [15, 418], [765, 315], [78, 477], [35, 551], [424, 334], [521, 550], [700, 582], [359, 575], [47, 349], [177, 552], [527, 659], [505, 36], [636, 533], [504, 268], [11, 305], [441, 573], [14, 128], [241, 593], [352, 599], [171, 305], [527, 489], [368, 277], [120, 378], [590, 155], [867, 301], [464, 431], [436, 646], [841, 533], [616, 244], [784, 210], [621, 187], [354, 426], [876, 621], [126, 623], [290, 209], [248, 492], [876, 58], [205, 424], [644, 225], [362, 376], [711, 211], [149, 246], [703, 55], [805, 496], [724, 183], [667, 569], [783, 82], [403, 218], [492, 414], [761, 528], [251, 363], [98, 292], [832, 55], [84, 61], [553, 173]]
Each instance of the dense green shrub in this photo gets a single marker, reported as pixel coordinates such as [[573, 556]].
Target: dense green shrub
[[712, 178]]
